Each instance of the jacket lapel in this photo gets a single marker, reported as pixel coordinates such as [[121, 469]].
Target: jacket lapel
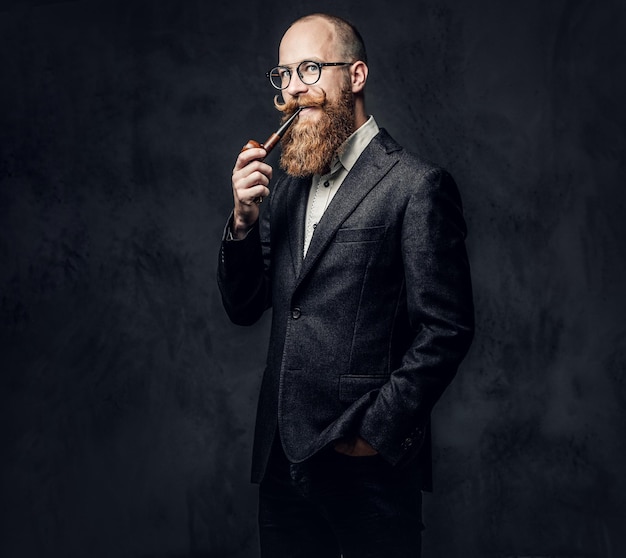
[[373, 164], [297, 194]]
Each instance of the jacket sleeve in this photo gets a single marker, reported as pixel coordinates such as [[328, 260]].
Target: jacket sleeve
[[243, 273], [441, 317]]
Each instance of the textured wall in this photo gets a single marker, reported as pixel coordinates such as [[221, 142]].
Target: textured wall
[[127, 399]]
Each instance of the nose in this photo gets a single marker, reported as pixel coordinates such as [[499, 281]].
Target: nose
[[296, 86]]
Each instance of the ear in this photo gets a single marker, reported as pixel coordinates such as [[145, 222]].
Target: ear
[[358, 75]]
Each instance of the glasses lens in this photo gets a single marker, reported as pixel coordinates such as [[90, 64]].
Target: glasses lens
[[309, 72], [280, 77]]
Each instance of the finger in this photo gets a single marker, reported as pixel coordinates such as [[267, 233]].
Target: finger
[[248, 195], [246, 157], [243, 182], [255, 195], [247, 192], [255, 171]]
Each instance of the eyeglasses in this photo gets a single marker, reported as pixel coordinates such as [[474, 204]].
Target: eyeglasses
[[309, 72]]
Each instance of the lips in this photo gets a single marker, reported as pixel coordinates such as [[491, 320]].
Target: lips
[[308, 109]]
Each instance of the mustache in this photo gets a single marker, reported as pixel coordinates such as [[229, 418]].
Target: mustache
[[313, 99]]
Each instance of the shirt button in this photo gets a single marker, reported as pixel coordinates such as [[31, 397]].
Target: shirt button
[[296, 313]]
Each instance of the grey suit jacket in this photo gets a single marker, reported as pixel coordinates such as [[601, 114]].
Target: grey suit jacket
[[367, 330]]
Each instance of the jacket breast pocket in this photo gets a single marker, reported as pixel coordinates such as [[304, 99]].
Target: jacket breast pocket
[[355, 386], [368, 234]]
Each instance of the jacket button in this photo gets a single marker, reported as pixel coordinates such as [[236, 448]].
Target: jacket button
[[296, 313]]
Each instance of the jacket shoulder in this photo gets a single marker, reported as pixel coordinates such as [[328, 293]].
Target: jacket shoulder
[[409, 164], [390, 146]]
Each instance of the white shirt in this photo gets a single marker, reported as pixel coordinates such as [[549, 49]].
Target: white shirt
[[324, 187]]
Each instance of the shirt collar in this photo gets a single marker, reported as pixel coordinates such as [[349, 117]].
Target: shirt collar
[[356, 143]]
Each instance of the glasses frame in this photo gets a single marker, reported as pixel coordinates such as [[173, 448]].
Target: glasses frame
[[320, 66]]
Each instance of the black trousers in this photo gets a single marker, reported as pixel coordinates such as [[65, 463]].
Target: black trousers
[[335, 506]]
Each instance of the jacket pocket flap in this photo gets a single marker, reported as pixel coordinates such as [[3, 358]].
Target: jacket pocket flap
[[354, 386], [368, 234]]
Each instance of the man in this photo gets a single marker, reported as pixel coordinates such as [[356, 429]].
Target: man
[[360, 253]]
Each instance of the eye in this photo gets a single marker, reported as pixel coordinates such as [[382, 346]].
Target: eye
[[310, 68]]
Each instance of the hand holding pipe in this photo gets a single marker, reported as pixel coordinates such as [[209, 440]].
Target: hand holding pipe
[[271, 142]]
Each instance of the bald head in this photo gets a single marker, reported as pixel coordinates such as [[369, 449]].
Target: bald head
[[346, 36]]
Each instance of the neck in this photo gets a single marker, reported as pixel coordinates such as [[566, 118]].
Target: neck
[[360, 114]]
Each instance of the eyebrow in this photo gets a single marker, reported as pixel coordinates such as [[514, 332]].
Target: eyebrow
[[312, 59]]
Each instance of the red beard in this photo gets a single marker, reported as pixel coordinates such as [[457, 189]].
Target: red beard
[[309, 147]]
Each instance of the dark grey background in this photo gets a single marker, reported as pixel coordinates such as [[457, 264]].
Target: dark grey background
[[128, 398]]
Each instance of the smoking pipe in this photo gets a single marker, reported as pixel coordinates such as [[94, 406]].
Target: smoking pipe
[[271, 142]]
